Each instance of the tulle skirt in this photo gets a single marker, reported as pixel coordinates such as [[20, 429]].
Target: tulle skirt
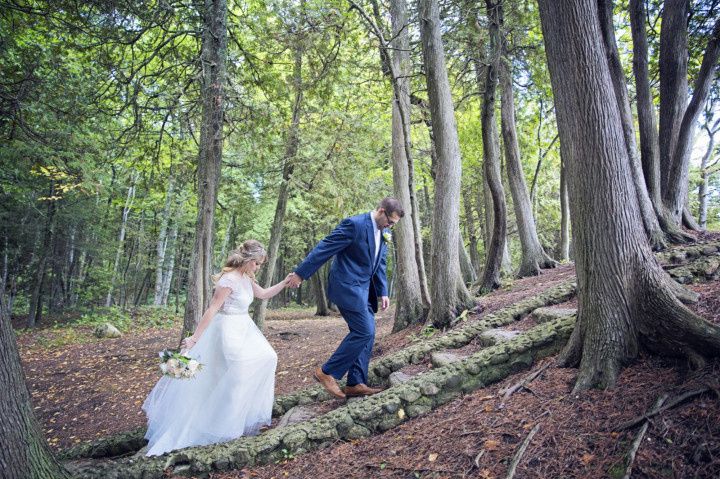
[[231, 396]]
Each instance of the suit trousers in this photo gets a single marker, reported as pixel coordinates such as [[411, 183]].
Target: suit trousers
[[353, 354]]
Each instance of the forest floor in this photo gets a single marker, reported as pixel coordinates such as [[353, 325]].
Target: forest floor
[[90, 388]]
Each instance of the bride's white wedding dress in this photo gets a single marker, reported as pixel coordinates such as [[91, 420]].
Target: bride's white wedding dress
[[231, 396]]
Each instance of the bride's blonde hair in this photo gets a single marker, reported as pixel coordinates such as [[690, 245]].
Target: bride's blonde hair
[[250, 250]]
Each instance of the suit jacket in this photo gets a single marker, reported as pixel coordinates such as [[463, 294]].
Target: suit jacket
[[356, 279]]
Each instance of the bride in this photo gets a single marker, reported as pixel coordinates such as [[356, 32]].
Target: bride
[[233, 394]]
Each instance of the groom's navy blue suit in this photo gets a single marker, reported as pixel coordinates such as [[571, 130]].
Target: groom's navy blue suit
[[357, 279]]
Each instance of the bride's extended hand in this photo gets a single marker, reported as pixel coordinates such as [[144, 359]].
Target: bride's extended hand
[[187, 344]]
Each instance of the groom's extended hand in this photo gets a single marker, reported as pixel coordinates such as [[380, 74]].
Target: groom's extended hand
[[385, 303], [294, 280]]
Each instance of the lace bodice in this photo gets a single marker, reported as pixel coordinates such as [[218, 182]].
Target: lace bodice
[[242, 294]]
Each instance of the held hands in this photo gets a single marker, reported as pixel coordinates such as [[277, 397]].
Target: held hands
[[293, 280]]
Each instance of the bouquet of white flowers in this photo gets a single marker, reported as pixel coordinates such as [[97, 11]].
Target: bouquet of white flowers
[[177, 365]]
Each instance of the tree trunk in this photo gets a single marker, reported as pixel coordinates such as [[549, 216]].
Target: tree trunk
[[491, 152], [655, 234], [170, 264], [24, 452], [411, 305], [534, 256], [35, 309], [564, 215], [212, 57], [673, 86], [704, 173], [676, 194], [448, 293], [291, 148], [622, 289], [471, 230], [649, 141], [121, 238], [162, 242], [466, 268], [321, 301]]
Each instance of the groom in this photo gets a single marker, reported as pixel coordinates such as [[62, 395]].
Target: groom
[[357, 280]]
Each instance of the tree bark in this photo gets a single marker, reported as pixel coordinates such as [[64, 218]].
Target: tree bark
[[649, 141], [162, 242], [471, 230], [534, 258], [169, 265], [705, 174], [676, 194], [35, 308], [564, 215], [448, 293], [292, 144], [622, 289], [411, 305], [654, 232], [673, 86], [213, 56], [491, 152], [24, 452], [121, 238]]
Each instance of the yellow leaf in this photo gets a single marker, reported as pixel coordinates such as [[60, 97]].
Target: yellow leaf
[[491, 445]]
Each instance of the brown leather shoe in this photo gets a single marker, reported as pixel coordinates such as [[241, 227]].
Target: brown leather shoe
[[328, 382], [360, 390]]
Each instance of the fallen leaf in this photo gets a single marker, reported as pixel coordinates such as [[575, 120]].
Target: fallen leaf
[[491, 445], [432, 457], [587, 458]]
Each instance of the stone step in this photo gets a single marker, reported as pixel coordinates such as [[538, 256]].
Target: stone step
[[546, 314]]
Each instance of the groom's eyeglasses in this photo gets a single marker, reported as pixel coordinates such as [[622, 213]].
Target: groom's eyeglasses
[[389, 221]]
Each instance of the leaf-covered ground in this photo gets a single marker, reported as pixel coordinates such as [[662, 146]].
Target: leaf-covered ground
[[91, 388]]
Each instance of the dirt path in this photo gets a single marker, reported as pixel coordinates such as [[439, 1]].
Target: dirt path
[[84, 391]]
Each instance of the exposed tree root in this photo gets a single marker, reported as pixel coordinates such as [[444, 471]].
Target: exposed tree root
[[639, 438]]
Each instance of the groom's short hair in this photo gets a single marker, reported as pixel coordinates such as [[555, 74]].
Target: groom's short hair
[[392, 205]]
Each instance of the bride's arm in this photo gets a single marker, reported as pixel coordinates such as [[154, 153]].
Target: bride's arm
[[262, 293], [216, 302]]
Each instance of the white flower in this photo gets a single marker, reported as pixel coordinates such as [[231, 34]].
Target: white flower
[[388, 237], [163, 368]]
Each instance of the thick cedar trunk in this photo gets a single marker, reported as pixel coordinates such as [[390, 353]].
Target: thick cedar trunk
[[649, 141], [673, 87], [448, 293], [622, 289], [292, 144], [24, 452], [491, 152], [534, 256], [676, 194], [655, 234], [410, 308], [212, 57]]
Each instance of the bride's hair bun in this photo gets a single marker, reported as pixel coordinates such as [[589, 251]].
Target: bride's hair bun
[[250, 250]]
